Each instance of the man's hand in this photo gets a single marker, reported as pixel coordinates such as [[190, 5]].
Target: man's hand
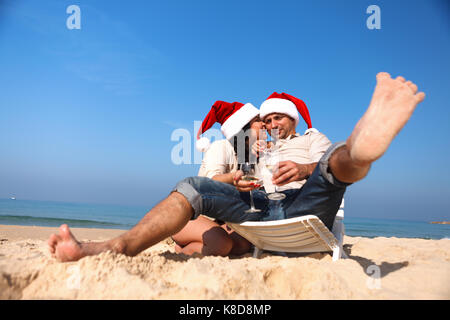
[[289, 171], [242, 185]]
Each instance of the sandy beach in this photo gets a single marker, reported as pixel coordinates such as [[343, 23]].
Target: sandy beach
[[399, 269]]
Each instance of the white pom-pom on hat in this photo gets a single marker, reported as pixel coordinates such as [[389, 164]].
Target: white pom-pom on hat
[[232, 117], [202, 144]]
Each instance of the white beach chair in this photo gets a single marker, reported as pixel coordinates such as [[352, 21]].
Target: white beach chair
[[301, 234]]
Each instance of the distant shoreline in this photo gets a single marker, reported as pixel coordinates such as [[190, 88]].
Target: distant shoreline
[[96, 216], [440, 222], [19, 232]]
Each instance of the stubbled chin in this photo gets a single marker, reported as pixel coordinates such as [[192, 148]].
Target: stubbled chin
[[280, 134]]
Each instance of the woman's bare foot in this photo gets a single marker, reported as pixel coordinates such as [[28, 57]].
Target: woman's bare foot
[[64, 246], [393, 103]]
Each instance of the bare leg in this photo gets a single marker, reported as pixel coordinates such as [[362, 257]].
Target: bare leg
[[240, 244], [164, 220], [392, 105], [204, 236], [190, 248]]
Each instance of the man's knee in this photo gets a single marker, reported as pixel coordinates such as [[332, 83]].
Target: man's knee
[[194, 181], [189, 189]]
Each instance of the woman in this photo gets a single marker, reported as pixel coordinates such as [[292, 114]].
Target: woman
[[239, 123]]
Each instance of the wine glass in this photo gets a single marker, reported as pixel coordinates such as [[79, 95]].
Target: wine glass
[[250, 175], [271, 161]]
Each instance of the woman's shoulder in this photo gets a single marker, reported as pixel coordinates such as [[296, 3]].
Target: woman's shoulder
[[218, 159], [219, 151]]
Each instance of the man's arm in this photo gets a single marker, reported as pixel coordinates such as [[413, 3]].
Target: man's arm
[[290, 171]]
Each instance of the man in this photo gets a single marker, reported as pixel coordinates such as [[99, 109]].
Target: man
[[297, 157], [392, 105]]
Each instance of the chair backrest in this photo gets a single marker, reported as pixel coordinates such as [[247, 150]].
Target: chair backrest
[[300, 234]]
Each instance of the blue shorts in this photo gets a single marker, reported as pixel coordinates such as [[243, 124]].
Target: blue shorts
[[321, 196]]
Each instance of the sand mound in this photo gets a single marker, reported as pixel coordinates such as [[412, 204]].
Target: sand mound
[[399, 268]]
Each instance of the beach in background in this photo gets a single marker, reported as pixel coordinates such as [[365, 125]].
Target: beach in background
[[388, 259], [102, 102], [377, 268]]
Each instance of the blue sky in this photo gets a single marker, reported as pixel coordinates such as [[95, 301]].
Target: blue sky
[[87, 115]]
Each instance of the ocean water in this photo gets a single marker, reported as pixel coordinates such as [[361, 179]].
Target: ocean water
[[80, 215], [367, 227], [53, 214]]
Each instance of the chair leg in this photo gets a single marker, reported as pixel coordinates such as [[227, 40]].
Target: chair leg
[[257, 252], [337, 252]]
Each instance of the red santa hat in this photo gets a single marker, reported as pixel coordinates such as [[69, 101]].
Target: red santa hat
[[232, 117], [289, 105]]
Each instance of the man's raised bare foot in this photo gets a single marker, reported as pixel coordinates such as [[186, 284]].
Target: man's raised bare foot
[[393, 103], [64, 246]]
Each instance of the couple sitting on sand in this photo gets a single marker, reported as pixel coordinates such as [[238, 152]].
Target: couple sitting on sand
[[279, 115], [313, 175]]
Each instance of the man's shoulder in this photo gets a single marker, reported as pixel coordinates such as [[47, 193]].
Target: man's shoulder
[[314, 134]]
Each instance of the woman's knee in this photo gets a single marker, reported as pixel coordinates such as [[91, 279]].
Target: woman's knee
[[240, 246], [217, 242]]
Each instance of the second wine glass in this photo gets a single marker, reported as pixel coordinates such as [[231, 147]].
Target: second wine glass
[[250, 175], [271, 161]]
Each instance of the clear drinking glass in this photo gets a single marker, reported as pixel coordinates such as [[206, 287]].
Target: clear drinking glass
[[271, 160], [250, 175]]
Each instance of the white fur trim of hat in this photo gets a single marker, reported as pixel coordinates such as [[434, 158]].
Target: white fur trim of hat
[[238, 120], [277, 105]]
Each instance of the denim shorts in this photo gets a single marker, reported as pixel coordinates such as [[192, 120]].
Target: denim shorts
[[321, 196]]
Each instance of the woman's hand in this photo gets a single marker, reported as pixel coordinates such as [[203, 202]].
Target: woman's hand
[[242, 185]]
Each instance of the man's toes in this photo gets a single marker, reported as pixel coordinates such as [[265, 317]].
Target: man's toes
[[64, 231], [401, 79], [412, 86], [420, 97], [383, 75], [53, 240], [63, 228]]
